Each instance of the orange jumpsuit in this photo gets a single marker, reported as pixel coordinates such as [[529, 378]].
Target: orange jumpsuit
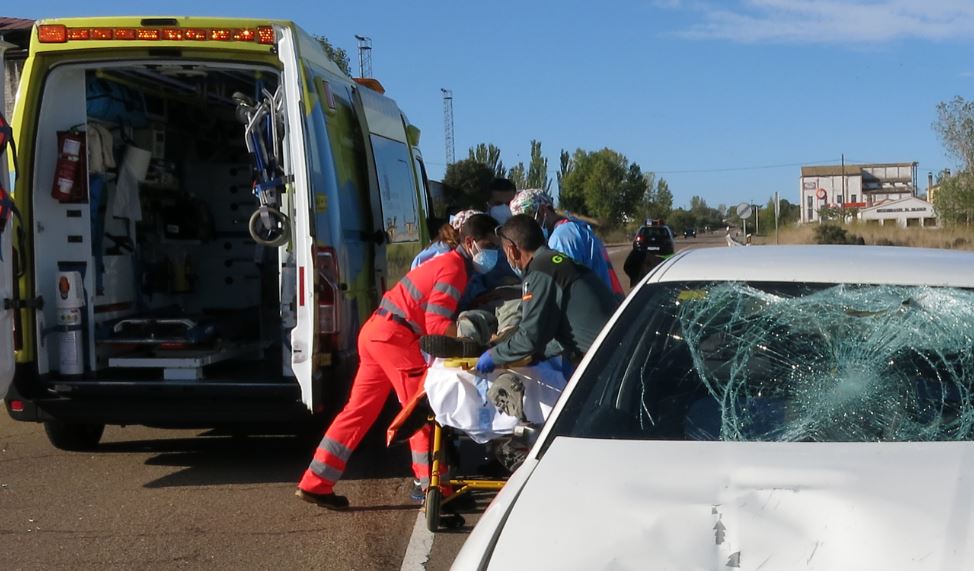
[[424, 302]]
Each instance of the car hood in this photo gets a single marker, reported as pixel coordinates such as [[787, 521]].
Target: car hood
[[613, 504]]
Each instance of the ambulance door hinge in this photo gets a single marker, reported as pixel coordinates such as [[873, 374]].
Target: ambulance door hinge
[[36, 303]]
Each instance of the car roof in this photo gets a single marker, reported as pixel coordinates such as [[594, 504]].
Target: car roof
[[821, 264]]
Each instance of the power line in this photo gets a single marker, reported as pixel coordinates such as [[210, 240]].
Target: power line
[[748, 168]]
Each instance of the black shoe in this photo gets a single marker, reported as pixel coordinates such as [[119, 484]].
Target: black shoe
[[331, 501], [445, 346]]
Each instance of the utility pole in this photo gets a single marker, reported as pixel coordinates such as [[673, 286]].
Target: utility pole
[[777, 213], [448, 124], [843, 184], [364, 56]]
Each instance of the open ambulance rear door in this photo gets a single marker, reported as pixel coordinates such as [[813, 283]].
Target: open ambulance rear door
[[6, 259], [299, 260], [6, 298]]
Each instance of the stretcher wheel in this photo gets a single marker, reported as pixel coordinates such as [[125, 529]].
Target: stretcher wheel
[[277, 235], [433, 500]]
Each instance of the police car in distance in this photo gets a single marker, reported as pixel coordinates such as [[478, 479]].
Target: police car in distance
[[654, 238]]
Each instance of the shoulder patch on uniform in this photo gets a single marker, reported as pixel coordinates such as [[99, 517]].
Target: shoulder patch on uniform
[[557, 259]]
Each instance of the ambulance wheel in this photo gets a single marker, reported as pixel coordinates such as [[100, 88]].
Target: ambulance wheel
[[277, 235], [433, 498], [73, 437]]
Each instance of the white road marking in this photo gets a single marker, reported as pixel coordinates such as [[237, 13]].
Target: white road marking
[[420, 545]]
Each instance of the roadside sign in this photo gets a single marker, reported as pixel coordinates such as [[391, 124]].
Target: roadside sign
[[821, 194]]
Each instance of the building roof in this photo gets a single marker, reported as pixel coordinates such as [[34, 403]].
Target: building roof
[[14, 24], [849, 169]]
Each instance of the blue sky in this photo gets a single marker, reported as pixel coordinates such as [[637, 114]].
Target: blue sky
[[723, 98]]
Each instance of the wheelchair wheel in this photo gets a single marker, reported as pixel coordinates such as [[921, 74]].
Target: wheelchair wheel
[[433, 500], [277, 235]]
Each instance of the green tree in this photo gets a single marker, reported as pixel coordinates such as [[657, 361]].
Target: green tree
[[490, 155], [537, 175], [679, 219], [564, 167], [955, 126], [593, 185], [518, 176], [337, 55], [634, 189], [788, 215], [955, 200], [663, 205], [470, 179]]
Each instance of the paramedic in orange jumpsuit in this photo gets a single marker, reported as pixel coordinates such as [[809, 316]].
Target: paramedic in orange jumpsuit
[[424, 302]]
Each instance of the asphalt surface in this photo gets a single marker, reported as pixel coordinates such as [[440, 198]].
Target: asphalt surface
[[189, 499]]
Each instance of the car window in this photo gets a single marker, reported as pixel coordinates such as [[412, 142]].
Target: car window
[[655, 233], [782, 362]]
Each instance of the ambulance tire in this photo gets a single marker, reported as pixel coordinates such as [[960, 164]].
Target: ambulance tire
[[73, 437], [274, 237], [433, 501]]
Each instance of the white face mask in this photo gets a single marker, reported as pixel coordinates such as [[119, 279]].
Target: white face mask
[[483, 260], [501, 213]]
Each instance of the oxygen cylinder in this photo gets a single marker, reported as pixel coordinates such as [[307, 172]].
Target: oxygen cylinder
[[70, 304], [68, 163]]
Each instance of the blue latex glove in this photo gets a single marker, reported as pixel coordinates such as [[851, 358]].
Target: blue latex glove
[[485, 363]]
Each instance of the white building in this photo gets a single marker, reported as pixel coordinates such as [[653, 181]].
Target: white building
[[906, 213], [854, 186]]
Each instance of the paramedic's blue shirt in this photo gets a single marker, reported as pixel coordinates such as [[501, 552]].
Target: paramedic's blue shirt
[[577, 240], [431, 251]]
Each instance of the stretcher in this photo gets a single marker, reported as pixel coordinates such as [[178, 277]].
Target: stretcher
[[453, 401], [435, 501]]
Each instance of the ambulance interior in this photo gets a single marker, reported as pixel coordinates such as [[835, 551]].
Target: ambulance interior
[[174, 287]]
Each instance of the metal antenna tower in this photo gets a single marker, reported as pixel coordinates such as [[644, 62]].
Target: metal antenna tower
[[364, 56], [448, 123]]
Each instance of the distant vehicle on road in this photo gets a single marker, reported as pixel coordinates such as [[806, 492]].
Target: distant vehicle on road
[[658, 239], [690, 233], [800, 405]]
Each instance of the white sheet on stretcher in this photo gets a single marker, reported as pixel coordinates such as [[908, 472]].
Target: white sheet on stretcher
[[459, 398]]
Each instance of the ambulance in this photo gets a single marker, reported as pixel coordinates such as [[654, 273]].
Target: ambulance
[[207, 211]]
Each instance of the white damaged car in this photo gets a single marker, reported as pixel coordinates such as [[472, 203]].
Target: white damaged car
[[774, 408]]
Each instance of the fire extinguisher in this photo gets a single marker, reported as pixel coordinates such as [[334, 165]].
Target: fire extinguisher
[[70, 306], [69, 172]]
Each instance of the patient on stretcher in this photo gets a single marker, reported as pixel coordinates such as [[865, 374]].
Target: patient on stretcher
[[488, 406]]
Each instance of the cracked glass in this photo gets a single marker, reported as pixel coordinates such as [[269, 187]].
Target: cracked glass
[[782, 362]]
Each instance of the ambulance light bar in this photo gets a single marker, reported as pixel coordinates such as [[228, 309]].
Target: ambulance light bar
[[59, 34]]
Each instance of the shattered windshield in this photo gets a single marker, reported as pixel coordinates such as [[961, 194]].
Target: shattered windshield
[[782, 362]]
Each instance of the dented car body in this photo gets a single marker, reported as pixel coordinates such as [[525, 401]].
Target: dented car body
[[773, 408]]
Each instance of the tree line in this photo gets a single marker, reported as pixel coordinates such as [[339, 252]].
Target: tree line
[[604, 184], [954, 199]]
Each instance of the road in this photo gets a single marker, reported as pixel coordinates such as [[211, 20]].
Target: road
[[161, 499], [618, 253]]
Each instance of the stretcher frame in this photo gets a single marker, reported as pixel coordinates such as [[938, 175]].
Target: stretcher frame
[[434, 496]]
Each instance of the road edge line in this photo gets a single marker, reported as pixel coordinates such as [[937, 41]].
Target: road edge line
[[420, 545]]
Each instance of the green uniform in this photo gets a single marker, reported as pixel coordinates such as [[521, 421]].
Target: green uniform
[[562, 301]]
